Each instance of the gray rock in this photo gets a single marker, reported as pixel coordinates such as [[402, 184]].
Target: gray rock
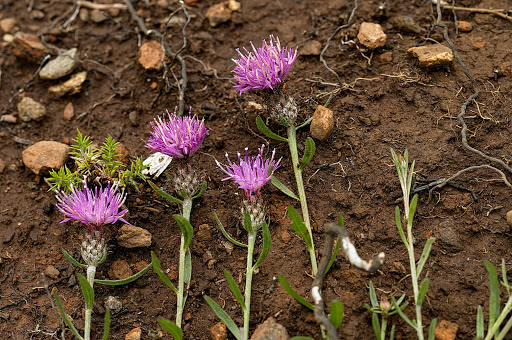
[[98, 16], [29, 109], [60, 66], [406, 24], [270, 330], [45, 155], [130, 236], [113, 303]]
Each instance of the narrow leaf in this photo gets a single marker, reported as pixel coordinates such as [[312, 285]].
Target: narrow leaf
[[124, 281], [187, 275], [171, 328], [158, 270], [202, 191], [234, 289], [267, 242], [333, 256], [87, 290], [504, 276], [341, 222], [221, 314], [266, 131], [299, 227], [424, 256], [226, 235], [336, 316], [72, 260], [376, 326], [373, 295], [399, 226], [480, 327], [401, 313], [494, 293], [293, 293], [164, 194], [106, 325], [412, 208], [247, 222], [66, 318], [283, 188], [432, 329], [186, 229], [423, 291], [309, 120], [309, 152]]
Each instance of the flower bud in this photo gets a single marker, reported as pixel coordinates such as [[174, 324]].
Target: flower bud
[[187, 182], [256, 211], [284, 111], [385, 306], [93, 250]]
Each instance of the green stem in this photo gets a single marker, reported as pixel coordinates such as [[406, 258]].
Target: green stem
[[494, 329], [248, 283], [91, 272], [292, 142], [384, 325], [414, 278], [187, 208]]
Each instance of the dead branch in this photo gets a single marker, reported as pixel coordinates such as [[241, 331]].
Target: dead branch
[[332, 231], [93, 5], [498, 12]]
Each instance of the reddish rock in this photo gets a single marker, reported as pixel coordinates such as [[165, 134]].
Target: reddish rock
[[134, 334], [478, 42], [150, 55], [446, 330], [219, 331], [45, 155], [28, 46], [124, 154], [218, 14], [311, 47], [2, 165], [120, 270], [69, 112], [322, 124], [9, 25], [506, 68], [371, 35], [386, 57], [464, 26]]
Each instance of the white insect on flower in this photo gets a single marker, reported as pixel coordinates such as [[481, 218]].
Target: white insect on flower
[[157, 163]]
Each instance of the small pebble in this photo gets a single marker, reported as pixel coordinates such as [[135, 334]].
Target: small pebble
[[61, 66], [371, 35], [113, 303], [464, 26], [28, 46], [311, 47], [446, 330], [45, 155], [478, 42], [270, 330], [52, 272], [8, 235], [69, 112], [71, 86], [119, 270], [134, 334], [9, 25], [219, 331], [130, 236], [386, 57], [322, 124], [29, 109], [97, 16], [509, 217], [84, 14], [432, 55], [133, 116], [10, 118], [218, 14], [406, 24], [150, 55]]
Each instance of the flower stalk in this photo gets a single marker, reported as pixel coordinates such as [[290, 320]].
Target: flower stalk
[[182, 291]]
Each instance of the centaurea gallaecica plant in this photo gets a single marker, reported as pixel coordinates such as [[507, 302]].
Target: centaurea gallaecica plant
[[95, 208], [251, 174], [179, 137], [264, 69]]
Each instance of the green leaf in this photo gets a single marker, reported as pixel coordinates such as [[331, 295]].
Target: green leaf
[[267, 242], [72, 260], [171, 328], [432, 329], [247, 222], [480, 324], [293, 293], [299, 227], [283, 188], [333, 256], [494, 293], [164, 194], [226, 235], [373, 295], [504, 276], [399, 226], [401, 313], [336, 316], [158, 270], [392, 333], [124, 281], [66, 318], [341, 222], [202, 191], [87, 290], [187, 275], [412, 208], [423, 291], [309, 152], [106, 325], [234, 289], [221, 314], [424, 256], [309, 120], [376, 326], [266, 131], [186, 229]]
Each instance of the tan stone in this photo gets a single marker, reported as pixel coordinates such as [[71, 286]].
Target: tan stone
[[45, 155], [371, 35], [218, 14], [130, 236], [28, 46], [464, 26], [322, 124], [69, 112], [386, 57], [29, 109], [478, 42], [509, 217], [270, 329], [120, 270], [219, 331], [9, 25], [134, 334], [311, 47], [432, 55], [71, 86], [506, 68], [446, 330], [150, 55]]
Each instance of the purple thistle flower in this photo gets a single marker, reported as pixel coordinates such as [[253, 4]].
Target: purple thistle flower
[[263, 68], [251, 173], [94, 208], [179, 137]]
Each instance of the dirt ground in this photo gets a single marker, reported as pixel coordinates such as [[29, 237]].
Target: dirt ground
[[386, 101]]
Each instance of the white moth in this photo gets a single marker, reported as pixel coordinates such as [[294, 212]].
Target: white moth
[[157, 163]]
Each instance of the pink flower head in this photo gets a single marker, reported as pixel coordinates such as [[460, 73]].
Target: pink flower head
[[179, 137], [263, 68], [251, 173], [94, 208]]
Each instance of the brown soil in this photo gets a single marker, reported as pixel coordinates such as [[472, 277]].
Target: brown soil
[[386, 104]]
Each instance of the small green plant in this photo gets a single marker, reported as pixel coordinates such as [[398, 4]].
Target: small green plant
[[405, 175], [496, 317], [385, 309], [102, 163]]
